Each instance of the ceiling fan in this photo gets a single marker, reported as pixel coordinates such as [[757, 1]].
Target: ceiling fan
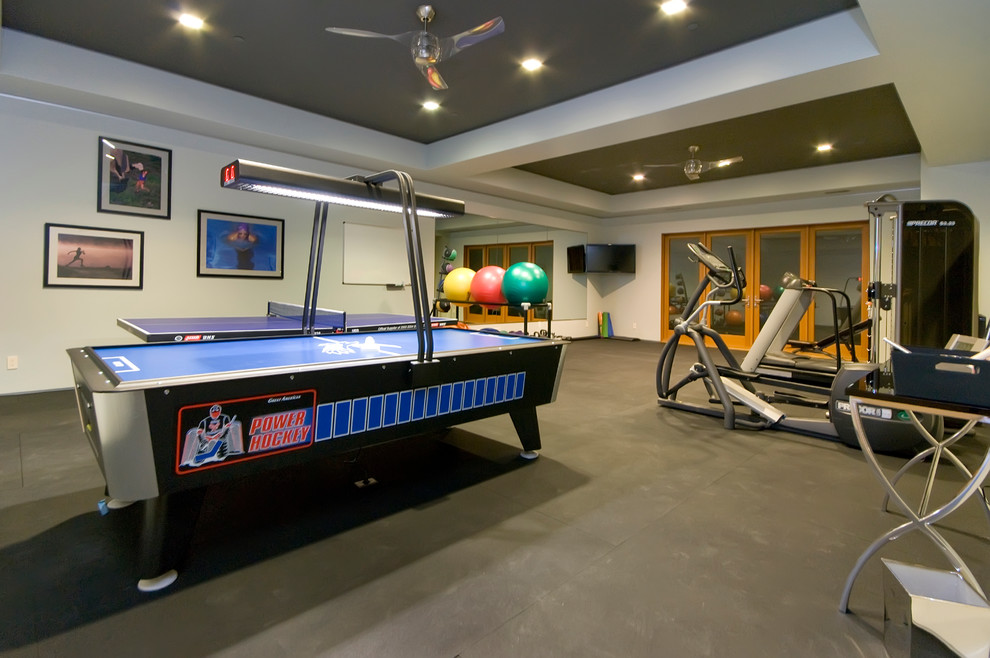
[[428, 49], [693, 167]]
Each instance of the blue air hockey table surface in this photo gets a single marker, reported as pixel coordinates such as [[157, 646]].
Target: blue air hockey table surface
[[167, 420], [141, 366]]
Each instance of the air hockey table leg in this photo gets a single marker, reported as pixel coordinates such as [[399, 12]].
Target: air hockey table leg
[[528, 428], [166, 532]]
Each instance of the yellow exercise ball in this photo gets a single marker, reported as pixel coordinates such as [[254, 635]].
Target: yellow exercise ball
[[457, 284]]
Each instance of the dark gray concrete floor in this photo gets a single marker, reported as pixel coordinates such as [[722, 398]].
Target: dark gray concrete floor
[[640, 531]]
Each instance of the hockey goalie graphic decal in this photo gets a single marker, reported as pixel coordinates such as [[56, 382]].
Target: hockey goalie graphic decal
[[228, 431]]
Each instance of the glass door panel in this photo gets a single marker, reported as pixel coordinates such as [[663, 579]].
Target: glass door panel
[[840, 262], [494, 314], [517, 253], [680, 278], [474, 258], [731, 320], [779, 253]]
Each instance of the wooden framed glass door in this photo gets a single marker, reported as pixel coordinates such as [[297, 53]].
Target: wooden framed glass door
[[474, 258], [515, 253], [833, 255], [731, 320], [681, 276], [778, 252], [489, 255], [679, 279], [504, 256]]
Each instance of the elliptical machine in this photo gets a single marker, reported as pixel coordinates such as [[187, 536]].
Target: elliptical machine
[[730, 385]]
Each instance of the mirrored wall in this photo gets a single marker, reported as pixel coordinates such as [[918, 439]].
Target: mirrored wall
[[568, 292]]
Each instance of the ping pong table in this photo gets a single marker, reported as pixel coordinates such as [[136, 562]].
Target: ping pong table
[[282, 319]]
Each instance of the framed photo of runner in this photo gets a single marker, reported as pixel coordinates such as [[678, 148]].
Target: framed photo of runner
[[85, 257], [240, 245], [134, 179]]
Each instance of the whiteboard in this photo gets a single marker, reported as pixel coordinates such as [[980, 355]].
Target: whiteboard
[[375, 255]]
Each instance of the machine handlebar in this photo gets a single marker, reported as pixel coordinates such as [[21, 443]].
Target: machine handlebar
[[722, 276]]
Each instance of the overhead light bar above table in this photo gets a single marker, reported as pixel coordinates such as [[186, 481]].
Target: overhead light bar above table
[[361, 192], [355, 191]]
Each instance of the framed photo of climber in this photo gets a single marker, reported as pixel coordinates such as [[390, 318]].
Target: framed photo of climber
[[134, 179]]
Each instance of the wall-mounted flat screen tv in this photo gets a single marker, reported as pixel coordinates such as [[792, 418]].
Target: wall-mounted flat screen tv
[[610, 258]]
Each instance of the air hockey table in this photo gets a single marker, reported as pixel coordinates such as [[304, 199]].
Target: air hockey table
[[168, 419]]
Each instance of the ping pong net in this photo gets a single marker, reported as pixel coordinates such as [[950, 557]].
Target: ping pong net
[[324, 319]]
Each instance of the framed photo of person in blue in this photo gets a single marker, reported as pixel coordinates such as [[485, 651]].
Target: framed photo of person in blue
[[240, 245]]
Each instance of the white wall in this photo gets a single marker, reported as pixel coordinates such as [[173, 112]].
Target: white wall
[[48, 174], [633, 300]]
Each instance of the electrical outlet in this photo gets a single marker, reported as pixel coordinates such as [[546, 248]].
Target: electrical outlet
[[634, 325], [11, 363]]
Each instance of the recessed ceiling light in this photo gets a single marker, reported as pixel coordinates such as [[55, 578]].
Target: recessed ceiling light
[[431, 106], [822, 148], [639, 177], [191, 21], [532, 64], [671, 7]]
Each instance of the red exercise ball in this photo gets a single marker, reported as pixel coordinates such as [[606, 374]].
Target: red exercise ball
[[765, 292], [734, 318], [486, 286]]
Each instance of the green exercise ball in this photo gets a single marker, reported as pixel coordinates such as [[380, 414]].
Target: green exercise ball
[[525, 283]]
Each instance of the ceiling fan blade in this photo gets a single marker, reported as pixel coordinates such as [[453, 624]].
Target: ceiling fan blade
[[672, 164], [715, 164], [718, 164], [432, 76], [455, 44], [405, 37]]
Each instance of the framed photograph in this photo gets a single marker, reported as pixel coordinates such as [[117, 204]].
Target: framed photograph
[[134, 179], [240, 245], [84, 257]]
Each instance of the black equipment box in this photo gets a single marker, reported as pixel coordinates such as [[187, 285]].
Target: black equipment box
[[943, 375]]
